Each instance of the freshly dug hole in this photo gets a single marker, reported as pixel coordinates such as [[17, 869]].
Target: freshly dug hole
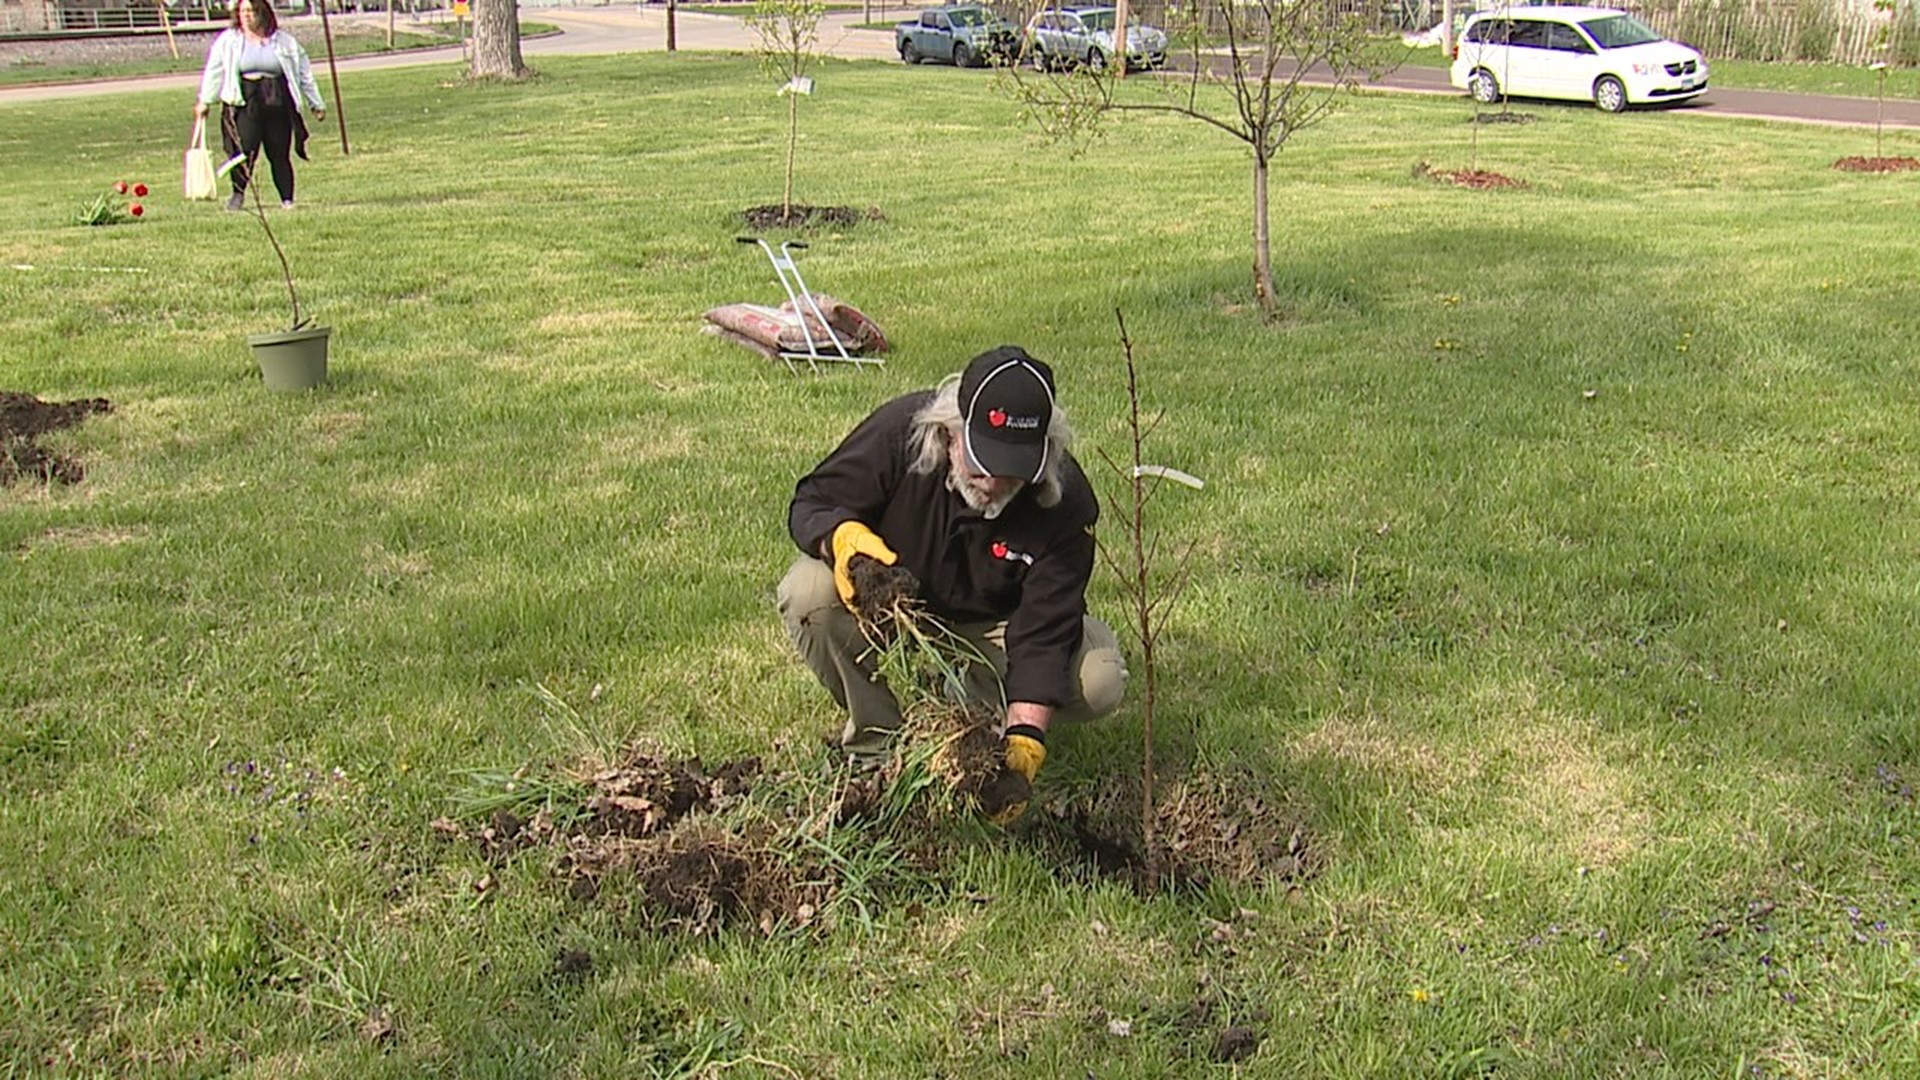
[[1230, 828]]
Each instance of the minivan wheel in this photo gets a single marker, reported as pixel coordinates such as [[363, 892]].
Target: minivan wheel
[[1096, 60], [1609, 94], [1482, 86]]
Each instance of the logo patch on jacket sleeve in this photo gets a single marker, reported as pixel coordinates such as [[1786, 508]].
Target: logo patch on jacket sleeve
[[1003, 552]]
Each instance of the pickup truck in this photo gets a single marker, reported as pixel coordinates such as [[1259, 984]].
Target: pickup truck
[[965, 35]]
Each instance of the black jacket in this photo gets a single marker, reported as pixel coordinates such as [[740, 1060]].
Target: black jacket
[[1030, 566]]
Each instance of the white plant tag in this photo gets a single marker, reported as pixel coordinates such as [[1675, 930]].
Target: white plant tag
[[1175, 475]]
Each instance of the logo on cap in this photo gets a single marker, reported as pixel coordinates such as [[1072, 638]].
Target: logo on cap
[[1006, 400]]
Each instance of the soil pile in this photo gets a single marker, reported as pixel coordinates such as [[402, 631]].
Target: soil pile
[[1477, 179], [685, 847], [23, 419], [800, 216], [1876, 164]]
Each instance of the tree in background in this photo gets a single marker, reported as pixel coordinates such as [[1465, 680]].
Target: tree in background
[[1258, 70], [496, 40], [788, 31]]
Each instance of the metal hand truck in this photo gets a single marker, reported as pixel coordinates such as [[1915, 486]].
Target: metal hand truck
[[808, 310]]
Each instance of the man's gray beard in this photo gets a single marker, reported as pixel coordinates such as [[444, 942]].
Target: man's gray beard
[[987, 507]]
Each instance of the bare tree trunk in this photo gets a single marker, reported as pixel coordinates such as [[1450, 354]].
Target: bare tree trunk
[[793, 140], [1262, 250], [496, 40]]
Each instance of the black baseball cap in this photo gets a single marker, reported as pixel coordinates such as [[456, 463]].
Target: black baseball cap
[[1006, 403]]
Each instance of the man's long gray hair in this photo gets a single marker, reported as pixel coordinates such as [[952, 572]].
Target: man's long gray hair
[[935, 425]]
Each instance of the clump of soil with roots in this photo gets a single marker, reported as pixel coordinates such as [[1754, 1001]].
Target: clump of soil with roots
[[23, 419]]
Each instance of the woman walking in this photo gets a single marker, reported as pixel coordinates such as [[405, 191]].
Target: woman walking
[[261, 77]]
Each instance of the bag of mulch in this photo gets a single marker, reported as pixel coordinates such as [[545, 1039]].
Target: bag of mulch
[[860, 334], [741, 340], [772, 327]]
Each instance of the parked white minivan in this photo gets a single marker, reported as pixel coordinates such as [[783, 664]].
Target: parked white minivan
[[1602, 55]]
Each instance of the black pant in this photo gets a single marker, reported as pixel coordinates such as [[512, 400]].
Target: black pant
[[264, 122]]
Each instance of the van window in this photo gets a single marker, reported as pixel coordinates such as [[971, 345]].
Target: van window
[[1564, 38], [1488, 32], [1621, 31], [1532, 35]]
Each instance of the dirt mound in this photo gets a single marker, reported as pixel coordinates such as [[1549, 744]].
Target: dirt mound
[[23, 419], [799, 216], [644, 795], [1478, 179], [685, 847], [1209, 828], [1876, 164]]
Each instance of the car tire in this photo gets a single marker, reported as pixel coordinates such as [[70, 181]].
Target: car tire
[[1484, 87], [1096, 61], [961, 57], [1040, 62], [907, 53], [1610, 94]]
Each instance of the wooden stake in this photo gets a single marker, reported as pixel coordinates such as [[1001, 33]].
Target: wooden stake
[[167, 25], [333, 72]]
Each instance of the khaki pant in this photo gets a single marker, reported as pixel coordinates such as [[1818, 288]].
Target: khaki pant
[[830, 643]]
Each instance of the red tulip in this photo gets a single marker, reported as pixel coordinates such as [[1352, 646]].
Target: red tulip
[[140, 190], [136, 209], [119, 187]]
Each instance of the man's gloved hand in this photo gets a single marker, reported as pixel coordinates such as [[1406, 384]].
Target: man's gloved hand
[[852, 538], [1024, 750]]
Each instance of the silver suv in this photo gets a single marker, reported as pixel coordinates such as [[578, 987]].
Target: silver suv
[[1082, 36]]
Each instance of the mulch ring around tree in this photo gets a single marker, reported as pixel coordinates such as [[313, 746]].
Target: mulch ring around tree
[[1477, 179], [800, 216], [23, 419], [1501, 118], [1876, 164]]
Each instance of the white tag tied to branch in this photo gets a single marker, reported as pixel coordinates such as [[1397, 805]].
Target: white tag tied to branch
[[799, 84], [1164, 472]]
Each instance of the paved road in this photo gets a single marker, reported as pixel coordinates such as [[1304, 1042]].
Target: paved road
[[627, 28]]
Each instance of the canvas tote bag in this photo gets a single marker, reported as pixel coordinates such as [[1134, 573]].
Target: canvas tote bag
[[197, 175]]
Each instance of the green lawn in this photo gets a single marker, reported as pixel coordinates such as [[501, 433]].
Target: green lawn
[[1559, 556], [354, 42]]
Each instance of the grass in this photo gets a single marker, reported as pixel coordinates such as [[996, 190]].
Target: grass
[[357, 41], [1557, 554]]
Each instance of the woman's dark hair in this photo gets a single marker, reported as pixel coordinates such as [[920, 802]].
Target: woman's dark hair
[[269, 21]]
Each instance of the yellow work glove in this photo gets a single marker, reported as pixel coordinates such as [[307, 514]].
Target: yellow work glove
[[851, 538], [1025, 750]]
